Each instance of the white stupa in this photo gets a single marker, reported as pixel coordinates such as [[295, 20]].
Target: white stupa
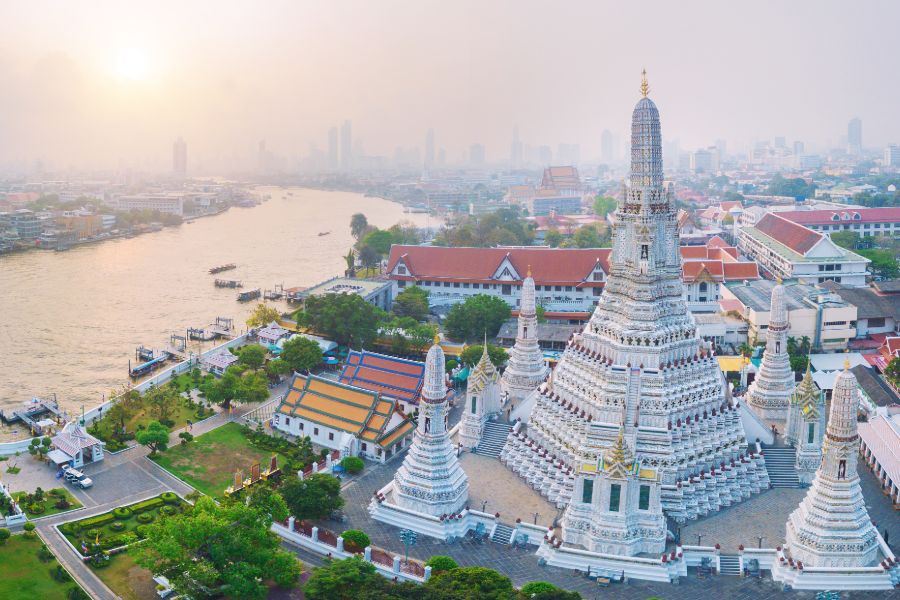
[[770, 393], [526, 368], [482, 400], [805, 427], [831, 527], [431, 481]]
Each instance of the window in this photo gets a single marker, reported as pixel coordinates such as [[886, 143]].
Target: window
[[644, 498], [401, 270], [475, 286], [811, 433], [474, 403], [456, 284], [598, 276], [587, 491], [315, 431], [568, 288], [507, 289], [559, 288], [615, 492], [330, 436], [287, 420], [703, 286], [835, 323], [466, 285], [301, 425], [401, 284], [446, 284], [597, 291], [876, 322], [364, 447], [645, 251]]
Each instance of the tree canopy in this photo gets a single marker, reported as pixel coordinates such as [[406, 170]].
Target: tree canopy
[[262, 315], [892, 371], [358, 225], [603, 205], [884, 262], [155, 437], [795, 187], [472, 354], [478, 315], [218, 549], [301, 354], [346, 318], [473, 582], [503, 227], [553, 238], [253, 356], [412, 302], [312, 497]]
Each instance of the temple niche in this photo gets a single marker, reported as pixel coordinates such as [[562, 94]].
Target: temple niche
[[805, 427], [482, 401]]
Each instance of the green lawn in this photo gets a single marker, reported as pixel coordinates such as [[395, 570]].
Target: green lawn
[[24, 576], [49, 503], [184, 412], [126, 579], [208, 463]]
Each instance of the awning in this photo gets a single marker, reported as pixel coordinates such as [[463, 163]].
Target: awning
[[59, 457]]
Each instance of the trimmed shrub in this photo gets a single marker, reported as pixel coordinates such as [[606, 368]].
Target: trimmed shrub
[[4, 535], [76, 593], [37, 508], [44, 554], [168, 510], [440, 563], [169, 497], [145, 518], [62, 504], [353, 464], [68, 528], [95, 521], [60, 574], [29, 530], [123, 513], [538, 587], [146, 505], [57, 492], [355, 540], [117, 526], [141, 531]]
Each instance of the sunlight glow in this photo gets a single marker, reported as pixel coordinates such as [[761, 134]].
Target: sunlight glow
[[133, 64]]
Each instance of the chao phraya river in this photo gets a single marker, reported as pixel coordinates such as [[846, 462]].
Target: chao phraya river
[[69, 321]]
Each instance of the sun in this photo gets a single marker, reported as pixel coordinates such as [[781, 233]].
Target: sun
[[133, 64]]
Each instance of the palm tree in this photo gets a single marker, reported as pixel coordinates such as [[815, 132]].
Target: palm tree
[[358, 225], [351, 263]]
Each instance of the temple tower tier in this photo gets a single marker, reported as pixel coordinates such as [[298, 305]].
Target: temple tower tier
[[770, 393], [430, 480], [831, 527], [482, 400], [526, 368], [805, 427], [640, 365]]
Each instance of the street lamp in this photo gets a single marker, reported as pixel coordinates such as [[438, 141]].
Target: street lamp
[[760, 538], [536, 515], [484, 505], [409, 538], [699, 539]]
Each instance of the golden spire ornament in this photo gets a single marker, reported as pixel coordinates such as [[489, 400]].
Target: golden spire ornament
[[645, 87]]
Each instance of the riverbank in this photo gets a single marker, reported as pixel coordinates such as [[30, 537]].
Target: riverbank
[[77, 316]]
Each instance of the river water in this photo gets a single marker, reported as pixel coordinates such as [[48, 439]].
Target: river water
[[69, 321]]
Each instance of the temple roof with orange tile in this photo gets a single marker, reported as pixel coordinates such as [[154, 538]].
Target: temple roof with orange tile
[[388, 375]]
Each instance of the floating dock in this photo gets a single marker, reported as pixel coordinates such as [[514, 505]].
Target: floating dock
[[249, 295], [30, 414]]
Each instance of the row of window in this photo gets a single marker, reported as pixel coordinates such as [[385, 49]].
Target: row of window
[[615, 495], [829, 267], [287, 423]]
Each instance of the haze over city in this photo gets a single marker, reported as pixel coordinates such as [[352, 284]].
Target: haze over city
[[108, 84]]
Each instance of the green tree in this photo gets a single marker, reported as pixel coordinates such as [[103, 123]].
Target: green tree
[[270, 503], [368, 256], [796, 187], [379, 240], [440, 563], [4, 535], [353, 464], [301, 354], [356, 538], [553, 238], [472, 582], [347, 579], [892, 371], [277, 367], [539, 312], [263, 315], [603, 205], [313, 497], [254, 387], [346, 318], [884, 262], [155, 437], [162, 402], [224, 389], [479, 314], [350, 259], [587, 237], [253, 356], [412, 302], [358, 225], [472, 354], [217, 550], [122, 410]]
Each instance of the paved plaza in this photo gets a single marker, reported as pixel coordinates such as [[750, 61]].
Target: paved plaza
[[504, 491]]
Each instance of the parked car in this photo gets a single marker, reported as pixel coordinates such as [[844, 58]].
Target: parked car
[[84, 483]]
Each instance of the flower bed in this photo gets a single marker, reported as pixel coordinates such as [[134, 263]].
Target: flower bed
[[119, 527], [40, 503]]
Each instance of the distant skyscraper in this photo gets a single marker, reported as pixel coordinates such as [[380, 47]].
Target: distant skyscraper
[[545, 155], [721, 146], [854, 136], [346, 146], [441, 157], [798, 148], [568, 154], [515, 151], [892, 156], [179, 158], [429, 149], [476, 155], [607, 147], [779, 142], [333, 148]]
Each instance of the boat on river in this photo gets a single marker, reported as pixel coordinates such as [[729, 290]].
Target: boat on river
[[228, 283], [249, 295], [221, 268], [321, 233]]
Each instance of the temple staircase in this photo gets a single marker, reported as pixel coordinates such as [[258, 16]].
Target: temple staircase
[[493, 439], [729, 564], [502, 534], [780, 464]]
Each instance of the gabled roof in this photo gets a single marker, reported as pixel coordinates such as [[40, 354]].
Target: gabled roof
[[796, 237], [392, 377], [874, 386], [73, 438], [362, 413], [847, 215], [869, 304], [272, 331]]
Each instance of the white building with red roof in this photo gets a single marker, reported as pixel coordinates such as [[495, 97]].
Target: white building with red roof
[[880, 448], [864, 221], [792, 251]]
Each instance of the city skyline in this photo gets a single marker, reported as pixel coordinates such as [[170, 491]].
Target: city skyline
[[223, 79]]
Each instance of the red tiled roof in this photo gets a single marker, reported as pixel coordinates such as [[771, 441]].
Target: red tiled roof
[[717, 242], [729, 204], [740, 271], [796, 237], [826, 217], [731, 305], [391, 377]]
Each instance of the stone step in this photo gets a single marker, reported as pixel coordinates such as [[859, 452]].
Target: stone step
[[780, 462], [502, 534], [493, 439], [729, 564]]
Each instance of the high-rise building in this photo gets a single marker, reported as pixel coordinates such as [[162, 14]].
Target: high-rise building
[[854, 136], [721, 147], [607, 147], [568, 154], [476, 155], [799, 148], [780, 142], [545, 155], [892, 156], [179, 158], [429, 150], [333, 163], [515, 151], [346, 146]]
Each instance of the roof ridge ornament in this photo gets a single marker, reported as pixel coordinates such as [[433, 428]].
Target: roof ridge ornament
[[645, 87]]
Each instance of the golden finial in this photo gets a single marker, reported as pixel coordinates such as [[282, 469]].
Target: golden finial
[[529, 271], [778, 279], [437, 339], [846, 364], [645, 87]]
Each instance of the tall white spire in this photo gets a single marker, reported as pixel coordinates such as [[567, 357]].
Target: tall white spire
[[769, 394], [430, 480], [831, 527], [526, 368]]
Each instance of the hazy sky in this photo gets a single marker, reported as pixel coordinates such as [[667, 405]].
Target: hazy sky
[[95, 84]]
